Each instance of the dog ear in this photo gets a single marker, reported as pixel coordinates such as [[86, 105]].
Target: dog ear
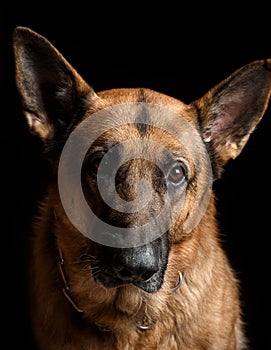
[[231, 110], [53, 94]]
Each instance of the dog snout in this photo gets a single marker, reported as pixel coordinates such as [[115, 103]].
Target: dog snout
[[138, 266], [143, 266]]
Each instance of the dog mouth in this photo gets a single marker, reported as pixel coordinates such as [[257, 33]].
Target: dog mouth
[[151, 284]]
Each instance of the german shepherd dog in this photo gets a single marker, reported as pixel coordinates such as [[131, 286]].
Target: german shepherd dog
[[126, 252]]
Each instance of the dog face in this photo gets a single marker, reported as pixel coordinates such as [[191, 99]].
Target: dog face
[[146, 161], [133, 175], [145, 169]]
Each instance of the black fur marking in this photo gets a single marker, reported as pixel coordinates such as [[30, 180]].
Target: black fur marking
[[142, 119]]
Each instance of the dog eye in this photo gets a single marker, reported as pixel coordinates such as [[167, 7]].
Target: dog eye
[[94, 163], [177, 174]]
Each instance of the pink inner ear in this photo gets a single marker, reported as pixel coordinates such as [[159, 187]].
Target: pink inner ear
[[232, 112]]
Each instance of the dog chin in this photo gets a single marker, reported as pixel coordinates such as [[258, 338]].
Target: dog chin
[[152, 285]]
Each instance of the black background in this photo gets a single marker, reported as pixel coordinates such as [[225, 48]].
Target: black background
[[181, 52]]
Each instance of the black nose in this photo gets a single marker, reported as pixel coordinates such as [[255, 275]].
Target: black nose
[[139, 263]]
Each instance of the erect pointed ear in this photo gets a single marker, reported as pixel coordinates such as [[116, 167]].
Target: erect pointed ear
[[231, 110], [53, 94]]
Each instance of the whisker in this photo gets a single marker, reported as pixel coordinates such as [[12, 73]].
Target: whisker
[[88, 260]]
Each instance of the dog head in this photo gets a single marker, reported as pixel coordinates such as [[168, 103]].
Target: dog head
[[135, 167]]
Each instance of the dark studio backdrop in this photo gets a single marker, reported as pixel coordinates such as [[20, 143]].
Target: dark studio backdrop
[[181, 54]]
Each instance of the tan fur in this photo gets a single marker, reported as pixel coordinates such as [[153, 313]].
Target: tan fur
[[204, 313]]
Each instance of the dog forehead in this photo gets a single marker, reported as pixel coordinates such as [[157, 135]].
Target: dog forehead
[[144, 133], [147, 98], [130, 114], [142, 108]]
